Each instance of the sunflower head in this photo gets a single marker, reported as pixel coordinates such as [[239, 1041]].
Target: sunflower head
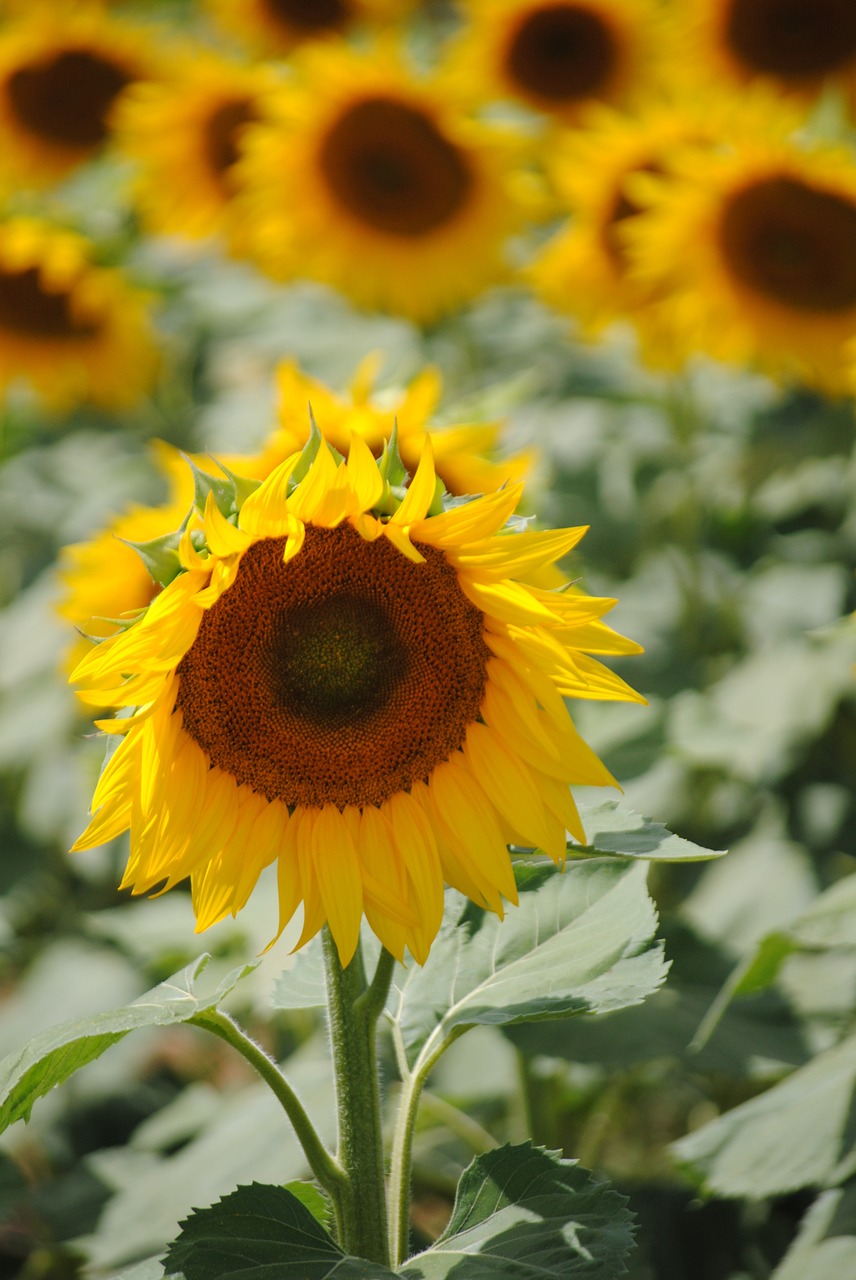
[[347, 675], [186, 131], [406, 201], [74, 331], [558, 56], [761, 242], [60, 75], [798, 45]]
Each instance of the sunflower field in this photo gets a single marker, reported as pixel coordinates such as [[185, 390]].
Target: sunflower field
[[428, 560]]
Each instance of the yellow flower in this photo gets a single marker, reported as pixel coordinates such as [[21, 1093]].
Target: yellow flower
[[800, 46], [372, 181], [584, 270], [754, 247], [60, 74], [352, 682], [76, 332], [559, 56], [461, 452], [277, 26], [185, 131]]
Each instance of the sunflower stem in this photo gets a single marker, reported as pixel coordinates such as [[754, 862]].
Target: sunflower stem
[[412, 1085], [330, 1174], [353, 1009]]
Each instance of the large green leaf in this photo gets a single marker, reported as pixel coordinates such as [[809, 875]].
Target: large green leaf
[[520, 1212], [261, 1233], [579, 942], [825, 1248], [612, 829], [51, 1057], [524, 1212], [797, 1134], [754, 1032]]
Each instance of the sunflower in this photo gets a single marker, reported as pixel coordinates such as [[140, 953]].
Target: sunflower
[[75, 331], [277, 26], [584, 269], [558, 56], [461, 452], [755, 246], [186, 133], [350, 680], [372, 181], [801, 46], [60, 74]]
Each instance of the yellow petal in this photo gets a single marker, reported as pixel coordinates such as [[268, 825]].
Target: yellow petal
[[364, 476], [336, 865], [264, 513], [223, 538]]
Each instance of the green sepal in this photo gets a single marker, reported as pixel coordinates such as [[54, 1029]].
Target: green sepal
[[390, 465], [308, 453], [160, 555], [242, 485], [225, 496]]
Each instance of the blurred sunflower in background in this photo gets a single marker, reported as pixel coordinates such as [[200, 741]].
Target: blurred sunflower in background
[[185, 132], [371, 180], [349, 679], [558, 56], [462, 452], [800, 46], [60, 74], [278, 26], [755, 246], [76, 332], [585, 269]]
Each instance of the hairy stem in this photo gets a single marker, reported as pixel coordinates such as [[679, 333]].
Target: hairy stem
[[353, 1009]]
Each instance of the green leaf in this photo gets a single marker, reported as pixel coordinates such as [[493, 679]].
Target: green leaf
[[243, 486], [620, 832], [520, 1211], [758, 1029], [825, 1248], [314, 1199], [50, 1058], [265, 1233], [797, 1134], [309, 452], [579, 942], [525, 1212]]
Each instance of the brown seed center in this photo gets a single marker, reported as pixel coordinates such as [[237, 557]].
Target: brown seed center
[[65, 99], [339, 678], [792, 38], [390, 167], [793, 243], [222, 136], [27, 308], [309, 17], [560, 54]]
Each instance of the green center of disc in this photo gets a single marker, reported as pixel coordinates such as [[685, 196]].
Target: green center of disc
[[337, 658]]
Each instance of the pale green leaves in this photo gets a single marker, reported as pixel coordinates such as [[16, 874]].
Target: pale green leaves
[[614, 830], [579, 942], [50, 1058], [519, 1212]]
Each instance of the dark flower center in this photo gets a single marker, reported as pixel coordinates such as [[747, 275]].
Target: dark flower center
[[339, 678], [65, 99], [793, 243], [27, 308], [390, 166], [560, 54], [792, 37], [309, 17], [222, 137]]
